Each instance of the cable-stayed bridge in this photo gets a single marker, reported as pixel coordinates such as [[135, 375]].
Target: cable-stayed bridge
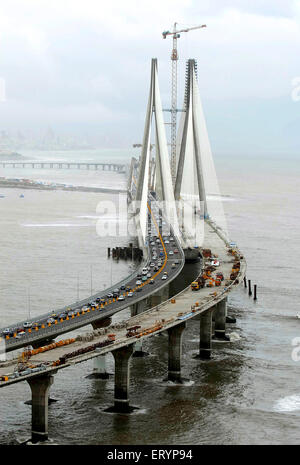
[[175, 223]]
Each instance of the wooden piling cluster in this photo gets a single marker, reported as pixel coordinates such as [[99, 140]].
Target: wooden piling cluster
[[250, 288], [124, 253]]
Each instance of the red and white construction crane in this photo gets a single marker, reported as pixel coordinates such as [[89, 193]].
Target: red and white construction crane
[[174, 57]]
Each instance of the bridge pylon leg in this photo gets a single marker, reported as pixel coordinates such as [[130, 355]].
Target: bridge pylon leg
[[205, 334], [40, 387], [175, 350], [220, 320], [122, 375]]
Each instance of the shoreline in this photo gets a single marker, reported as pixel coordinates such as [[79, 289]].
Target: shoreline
[[6, 183]]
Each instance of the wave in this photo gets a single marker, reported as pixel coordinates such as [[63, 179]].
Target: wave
[[223, 198], [55, 225], [288, 404]]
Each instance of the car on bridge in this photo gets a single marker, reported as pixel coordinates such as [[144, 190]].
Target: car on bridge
[[130, 294], [6, 331], [121, 297], [20, 334], [27, 324], [36, 325]]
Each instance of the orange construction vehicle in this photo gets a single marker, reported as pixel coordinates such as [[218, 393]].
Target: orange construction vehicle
[[199, 283]]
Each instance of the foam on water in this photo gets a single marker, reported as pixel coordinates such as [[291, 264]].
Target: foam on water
[[288, 404], [56, 225]]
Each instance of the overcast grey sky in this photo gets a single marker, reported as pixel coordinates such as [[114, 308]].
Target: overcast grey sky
[[83, 66]]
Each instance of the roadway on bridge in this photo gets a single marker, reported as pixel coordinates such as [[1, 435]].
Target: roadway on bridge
[[162, 245]]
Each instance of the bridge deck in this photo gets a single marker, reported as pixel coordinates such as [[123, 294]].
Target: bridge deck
[[165, 313]]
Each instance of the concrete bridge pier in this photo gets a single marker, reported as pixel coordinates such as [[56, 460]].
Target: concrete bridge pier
[[175, 350], [99, 368], [139, 307], [159, 296], [122, 375], [205, 334], [220, 312], [40, 387], [138, 349]]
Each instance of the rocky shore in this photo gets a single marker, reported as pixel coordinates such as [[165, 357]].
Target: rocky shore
[[29, 184]]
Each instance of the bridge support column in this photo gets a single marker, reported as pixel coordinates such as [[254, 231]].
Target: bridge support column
[[122, 374], [220, 320], [175, 349], [99, 368], [139, 307], [40, 387], [205, 334], [138, 349]]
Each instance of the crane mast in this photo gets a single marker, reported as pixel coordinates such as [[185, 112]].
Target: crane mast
[[174, 58]]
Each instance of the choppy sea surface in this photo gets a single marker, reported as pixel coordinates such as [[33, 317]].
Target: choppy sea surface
[[248, 393]]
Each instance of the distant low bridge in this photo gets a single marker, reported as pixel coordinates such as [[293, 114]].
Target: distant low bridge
[[118, 167]]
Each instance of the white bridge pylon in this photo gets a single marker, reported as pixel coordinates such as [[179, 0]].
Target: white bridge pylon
[[163, 178], [196, 188], [196, 195]]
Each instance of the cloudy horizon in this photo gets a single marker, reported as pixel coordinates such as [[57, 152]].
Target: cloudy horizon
[[84, 68]]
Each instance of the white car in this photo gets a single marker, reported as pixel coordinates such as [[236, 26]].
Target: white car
[[130, 294], [164, 277], [138, 283], [171, 252], [27, 324], [121, 297]]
